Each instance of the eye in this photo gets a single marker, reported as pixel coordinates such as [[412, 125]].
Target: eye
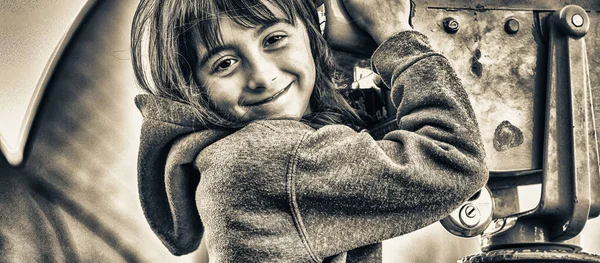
[[274, 40], [224, 64]]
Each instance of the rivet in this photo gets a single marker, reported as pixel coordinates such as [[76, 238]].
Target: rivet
[[450, 25], [577, 20], [511, 26]]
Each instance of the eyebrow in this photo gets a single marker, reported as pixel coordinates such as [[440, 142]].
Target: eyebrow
[[220, 48], [214, 51], [269, 24]]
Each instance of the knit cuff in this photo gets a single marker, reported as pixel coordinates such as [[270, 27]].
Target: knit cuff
[[398, 52]]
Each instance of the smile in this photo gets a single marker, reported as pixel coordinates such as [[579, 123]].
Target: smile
[[269, 99]]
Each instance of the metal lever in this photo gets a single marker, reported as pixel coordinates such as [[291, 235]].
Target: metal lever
[[567, 149]]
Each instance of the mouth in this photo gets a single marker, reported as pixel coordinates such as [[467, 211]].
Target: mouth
[[269, 99]]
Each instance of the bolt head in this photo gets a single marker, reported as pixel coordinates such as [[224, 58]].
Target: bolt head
[[451, 26], [577, 20], [511, 26]]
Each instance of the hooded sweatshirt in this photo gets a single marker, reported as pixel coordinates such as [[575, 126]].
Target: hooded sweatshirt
[[282, 191]]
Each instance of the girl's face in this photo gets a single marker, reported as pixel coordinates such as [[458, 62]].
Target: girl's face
[[259, 72]]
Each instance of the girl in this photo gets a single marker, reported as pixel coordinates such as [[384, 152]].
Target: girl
[[245, 141]]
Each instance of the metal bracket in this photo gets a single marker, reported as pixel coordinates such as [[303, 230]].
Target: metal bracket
[[570, 156]]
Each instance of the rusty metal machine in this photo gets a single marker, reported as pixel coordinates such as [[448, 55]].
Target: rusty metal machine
[[531, 68]]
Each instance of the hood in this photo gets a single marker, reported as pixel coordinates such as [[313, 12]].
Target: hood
[[171, 138]]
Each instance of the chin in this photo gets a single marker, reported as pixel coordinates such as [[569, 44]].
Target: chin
[[285, 109], [297, 113]]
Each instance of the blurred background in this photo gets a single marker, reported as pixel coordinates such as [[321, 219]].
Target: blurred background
[[69, 132]]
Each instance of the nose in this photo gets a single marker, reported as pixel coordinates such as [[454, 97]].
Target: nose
[[261, 72]]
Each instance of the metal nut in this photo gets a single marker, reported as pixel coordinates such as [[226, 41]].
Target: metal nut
[[450, 24]]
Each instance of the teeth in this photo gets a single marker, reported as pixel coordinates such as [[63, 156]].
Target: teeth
[[274, 96], [271, 98]]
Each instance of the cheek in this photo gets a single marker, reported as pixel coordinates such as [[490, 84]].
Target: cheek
[[310, 74], [309, 62], [222, 93], [312, 70], [301, 60]]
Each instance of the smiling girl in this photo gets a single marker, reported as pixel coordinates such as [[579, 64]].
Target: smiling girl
[[247, 144]]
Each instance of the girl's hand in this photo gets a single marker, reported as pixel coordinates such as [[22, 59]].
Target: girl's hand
[[380, 18]]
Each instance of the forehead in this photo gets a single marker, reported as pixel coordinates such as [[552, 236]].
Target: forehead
[[207, 29], [275, 10]]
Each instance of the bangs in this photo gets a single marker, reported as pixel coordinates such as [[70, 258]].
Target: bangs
[[251, 13], [165, 40]]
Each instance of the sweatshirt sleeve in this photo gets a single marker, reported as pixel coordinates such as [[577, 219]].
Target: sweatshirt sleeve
[[350, 191]]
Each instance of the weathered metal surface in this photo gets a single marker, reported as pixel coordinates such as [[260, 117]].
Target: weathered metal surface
[[522, 5], [593, 56], [501, 79], [505, 82], [514, 179], [568, 157], [594, 161], [506, 202], [524, 232], [526, 255], [592, 125]]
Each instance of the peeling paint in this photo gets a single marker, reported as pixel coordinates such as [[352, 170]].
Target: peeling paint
[[507, 136], [476, 66]]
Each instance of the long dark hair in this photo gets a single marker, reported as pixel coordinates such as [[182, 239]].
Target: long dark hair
[[165, 33]]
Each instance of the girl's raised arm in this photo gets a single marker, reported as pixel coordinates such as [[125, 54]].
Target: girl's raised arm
[[350, 191]]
